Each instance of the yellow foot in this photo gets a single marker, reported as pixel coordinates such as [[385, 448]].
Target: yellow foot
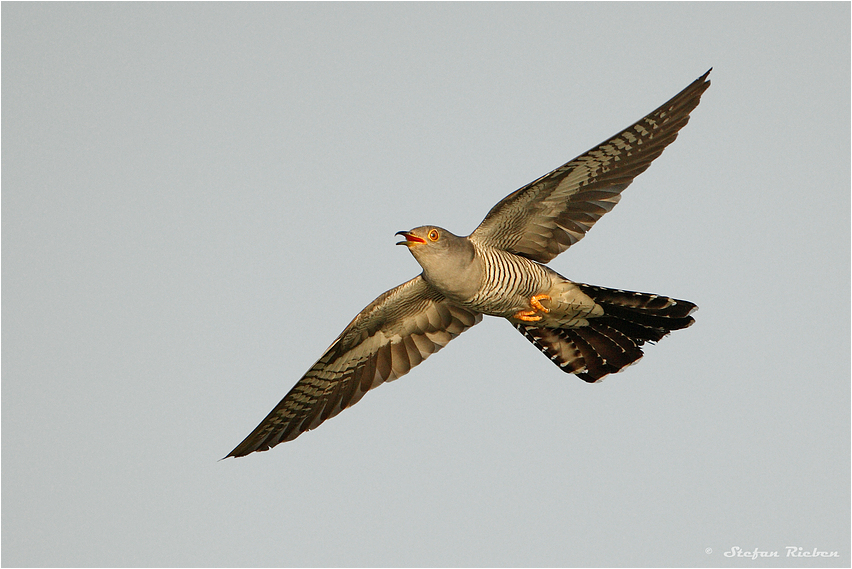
[[530, 315], [534, 301]]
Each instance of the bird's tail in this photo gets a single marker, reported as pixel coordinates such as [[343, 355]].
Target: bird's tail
[[611, 342]]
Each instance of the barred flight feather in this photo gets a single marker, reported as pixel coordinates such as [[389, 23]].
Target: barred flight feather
[[393, 334], [599, 176]]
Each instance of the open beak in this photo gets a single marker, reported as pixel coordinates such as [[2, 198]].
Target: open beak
[[410, 239]]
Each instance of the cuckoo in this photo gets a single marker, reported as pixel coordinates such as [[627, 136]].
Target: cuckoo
[[499, 270]]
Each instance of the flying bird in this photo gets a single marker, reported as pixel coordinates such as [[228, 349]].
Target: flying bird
[[499, 270]]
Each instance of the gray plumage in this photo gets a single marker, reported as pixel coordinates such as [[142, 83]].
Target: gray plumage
[[497, 270]]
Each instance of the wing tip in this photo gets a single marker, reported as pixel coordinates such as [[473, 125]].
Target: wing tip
[[238, 452]]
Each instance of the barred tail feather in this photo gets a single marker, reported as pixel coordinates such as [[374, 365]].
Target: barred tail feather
[[611, 342]]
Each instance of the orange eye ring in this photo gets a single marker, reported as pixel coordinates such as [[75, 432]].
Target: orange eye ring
[[433, 235]]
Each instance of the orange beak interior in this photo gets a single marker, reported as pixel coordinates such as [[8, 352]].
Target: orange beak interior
[[409, 238]]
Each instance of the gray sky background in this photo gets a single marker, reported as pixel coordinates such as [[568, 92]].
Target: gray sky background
[[197, 198]]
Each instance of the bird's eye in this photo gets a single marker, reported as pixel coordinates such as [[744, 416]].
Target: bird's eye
[[433, 235]]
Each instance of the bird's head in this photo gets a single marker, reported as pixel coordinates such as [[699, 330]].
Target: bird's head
[[445, 257], [427, 240]]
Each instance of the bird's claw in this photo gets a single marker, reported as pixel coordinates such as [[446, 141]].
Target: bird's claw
[[527, 316], [534, 301], [530, 315]]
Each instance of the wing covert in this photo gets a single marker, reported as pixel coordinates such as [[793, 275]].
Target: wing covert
[[550, 214], [397, 331]]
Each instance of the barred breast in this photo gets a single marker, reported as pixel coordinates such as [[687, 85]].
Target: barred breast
[[508, 282]]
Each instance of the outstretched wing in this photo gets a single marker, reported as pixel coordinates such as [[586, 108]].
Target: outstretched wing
[[393, 334], [547, 216]]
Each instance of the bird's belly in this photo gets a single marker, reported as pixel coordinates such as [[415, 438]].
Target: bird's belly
[[505, 306], [569, 307], [508, 284]]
